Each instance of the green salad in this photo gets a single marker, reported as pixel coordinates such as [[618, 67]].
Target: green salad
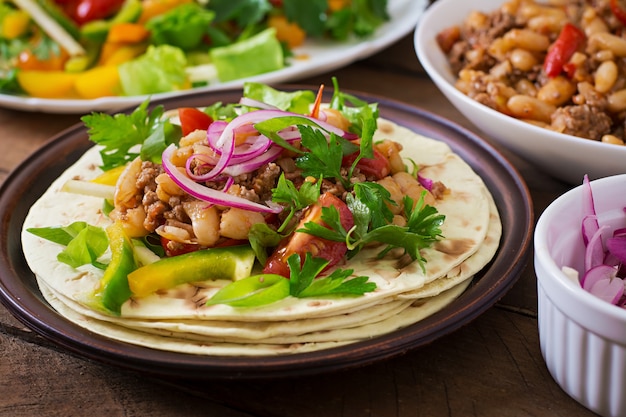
[[88, 49]]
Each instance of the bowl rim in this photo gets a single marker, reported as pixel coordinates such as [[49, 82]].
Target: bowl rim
[[559, 288], [422, 38]]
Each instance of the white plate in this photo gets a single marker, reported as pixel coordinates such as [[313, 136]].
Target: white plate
[[314, 57]]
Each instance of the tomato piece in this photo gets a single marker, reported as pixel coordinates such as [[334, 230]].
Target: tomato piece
[[193, 119], [83, 11], [570, 39], [377, 167], [28, 61], [618, 11], [303, 243], [173, 248]]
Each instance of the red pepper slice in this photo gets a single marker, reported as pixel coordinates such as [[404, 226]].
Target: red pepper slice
[[618, 11], [568, 42]]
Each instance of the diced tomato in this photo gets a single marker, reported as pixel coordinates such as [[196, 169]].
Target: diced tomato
[[303, 243], [172, 248], [377, 167], [570, 39], [193, 119]]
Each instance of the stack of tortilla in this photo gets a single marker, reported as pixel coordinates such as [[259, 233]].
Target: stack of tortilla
[[179, 319]]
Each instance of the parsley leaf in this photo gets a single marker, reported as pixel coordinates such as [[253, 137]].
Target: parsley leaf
[[371, 224], [119, 134], [296, 199], [303, 283], [325, 156]]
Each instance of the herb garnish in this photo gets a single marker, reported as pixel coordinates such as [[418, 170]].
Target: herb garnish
[[265, 289], [119, 134]]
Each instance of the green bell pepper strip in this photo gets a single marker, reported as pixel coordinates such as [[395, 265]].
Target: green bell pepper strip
[[233, 263], [253, 291], [114, 290]]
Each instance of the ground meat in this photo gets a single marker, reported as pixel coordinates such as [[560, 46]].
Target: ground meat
[[265, 181], [154, 209], [438, 189], [147, 177], [584, 121]]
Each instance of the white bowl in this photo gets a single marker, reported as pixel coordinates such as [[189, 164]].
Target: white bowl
[[563, 156], [582, 338]]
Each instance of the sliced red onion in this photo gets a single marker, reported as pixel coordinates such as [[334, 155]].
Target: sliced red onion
[[425, 182], [246, 101], [214, 132], [258, 116], [602, 282], [254, 163], [208, 194], [596, 274], [594, 251], [590, 219], [616, 246], [610, 290]]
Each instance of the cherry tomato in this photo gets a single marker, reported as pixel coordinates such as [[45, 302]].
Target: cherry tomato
[[303, 243], [568, 42], [193, 119], [377, 167], [83, 11]]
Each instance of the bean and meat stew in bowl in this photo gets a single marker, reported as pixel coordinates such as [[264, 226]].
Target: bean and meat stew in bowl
[[559, 64]]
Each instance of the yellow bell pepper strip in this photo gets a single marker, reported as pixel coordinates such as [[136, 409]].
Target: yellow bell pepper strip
[[110, 177], [115, 53], [14, 24], [127, 33], [289, 32], [47, 84], [98, 82], [233, 263], [114, 289]]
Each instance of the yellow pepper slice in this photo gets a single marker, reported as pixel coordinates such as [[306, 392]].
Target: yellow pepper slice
[[98, 82], [47, 84], [15, 24]]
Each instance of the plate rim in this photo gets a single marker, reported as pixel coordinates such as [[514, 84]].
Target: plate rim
[[22, 298]]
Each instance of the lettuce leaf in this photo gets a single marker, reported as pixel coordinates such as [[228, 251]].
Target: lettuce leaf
[[161, 69], [183, 26], [256, 55]]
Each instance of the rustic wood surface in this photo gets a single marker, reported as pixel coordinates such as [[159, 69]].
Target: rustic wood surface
[[490, 367]]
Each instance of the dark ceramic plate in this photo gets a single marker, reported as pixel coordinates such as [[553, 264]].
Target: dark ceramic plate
[[20, 294]]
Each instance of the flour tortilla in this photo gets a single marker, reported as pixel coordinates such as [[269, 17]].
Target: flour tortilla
[[187, 343], [472, 231], [290, 331]]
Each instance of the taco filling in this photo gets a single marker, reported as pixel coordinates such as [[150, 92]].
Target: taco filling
[[270, 226]]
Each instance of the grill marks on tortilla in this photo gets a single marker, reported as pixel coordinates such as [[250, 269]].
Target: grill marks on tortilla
[[455, 247]]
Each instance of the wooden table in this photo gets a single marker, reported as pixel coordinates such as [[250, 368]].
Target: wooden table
[[490, 367]]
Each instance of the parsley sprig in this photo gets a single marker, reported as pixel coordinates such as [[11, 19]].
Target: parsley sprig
[[371, 224], [121, 133]]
